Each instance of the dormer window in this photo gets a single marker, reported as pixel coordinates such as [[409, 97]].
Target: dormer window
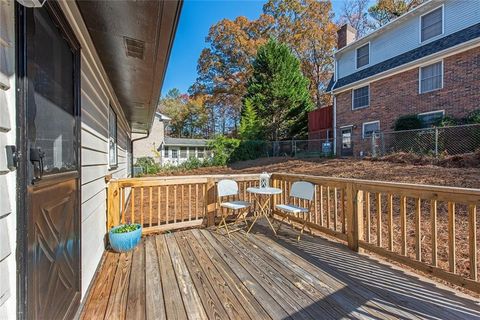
[[431, 24], [363, 55]]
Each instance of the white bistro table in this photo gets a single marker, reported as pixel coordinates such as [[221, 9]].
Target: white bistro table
[[263, 198]]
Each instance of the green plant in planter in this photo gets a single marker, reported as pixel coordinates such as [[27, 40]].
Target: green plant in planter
[[126, 228]]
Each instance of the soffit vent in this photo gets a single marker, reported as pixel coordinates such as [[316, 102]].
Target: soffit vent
[[134, 48]]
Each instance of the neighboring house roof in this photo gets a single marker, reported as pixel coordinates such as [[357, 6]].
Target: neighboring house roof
[[162, 117], [331, 83], [185, 142], [444, 43]]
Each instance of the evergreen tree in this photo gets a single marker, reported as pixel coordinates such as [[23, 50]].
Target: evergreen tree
[[279, 92], [249, 125]]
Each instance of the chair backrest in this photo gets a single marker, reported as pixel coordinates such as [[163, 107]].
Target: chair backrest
[[227, 187], [302, 190]]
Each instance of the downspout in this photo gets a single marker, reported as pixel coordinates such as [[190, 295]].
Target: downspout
[[131, 148], [334, 125]]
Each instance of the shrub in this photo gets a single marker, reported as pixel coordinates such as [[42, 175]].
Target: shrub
[[407, 122], [222, 149], [474, 116], [148, 165], [249, 150]]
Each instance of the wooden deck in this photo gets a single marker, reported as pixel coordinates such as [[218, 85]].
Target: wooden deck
[[200, 274]]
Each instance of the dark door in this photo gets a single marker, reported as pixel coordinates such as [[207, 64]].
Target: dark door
[[52, 166], [347, 143]]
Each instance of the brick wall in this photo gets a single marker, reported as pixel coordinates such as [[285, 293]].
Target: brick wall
[[398, 95]]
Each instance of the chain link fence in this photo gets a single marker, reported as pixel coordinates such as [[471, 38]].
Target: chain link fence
[[301, 148], [452, 140]]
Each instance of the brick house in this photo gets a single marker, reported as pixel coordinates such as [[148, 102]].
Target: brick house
[[426, 62]]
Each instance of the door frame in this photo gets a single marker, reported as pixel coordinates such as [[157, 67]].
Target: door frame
[[60, 20], [344, 128]]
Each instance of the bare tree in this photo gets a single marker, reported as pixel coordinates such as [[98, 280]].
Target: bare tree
[[355, 13]]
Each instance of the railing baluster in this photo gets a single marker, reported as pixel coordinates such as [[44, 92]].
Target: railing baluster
[[328, 207], [182, 203], [344, 214], [433, 221], [174, 203], [390, 222], [158, 206], [167, 206], [141, 206], [335, 209], [204, 209], [196, 201], [123, 201], [367, 211], [189, 202], [150, 207], [315, 201], [418, 229], [472, 239], [132, 209], [321, 206], [379, 219], [451, 238], [403, 224]]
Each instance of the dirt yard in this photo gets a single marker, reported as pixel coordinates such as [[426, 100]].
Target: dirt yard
[[351, 168]]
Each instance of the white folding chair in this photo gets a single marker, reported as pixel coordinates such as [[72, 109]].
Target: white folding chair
[[301, 190], [228, 188]]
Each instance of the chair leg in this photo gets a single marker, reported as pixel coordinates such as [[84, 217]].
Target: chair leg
[[301, 231], [224, 222]]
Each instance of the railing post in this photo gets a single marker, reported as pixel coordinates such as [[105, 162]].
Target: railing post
[[354, 217], [210, 203], [436, 142], [113, 204]]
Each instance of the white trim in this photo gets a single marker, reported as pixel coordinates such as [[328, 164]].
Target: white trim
[[112, 166], [356, 56], [366, 123], [420, 76], [465, 46], [347, 126], [360, 87], [430, 112], [420, 26]]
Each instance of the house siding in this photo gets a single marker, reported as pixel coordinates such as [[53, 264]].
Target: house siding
[[7, 178], [406, 36], [399, 95], [148, 147]]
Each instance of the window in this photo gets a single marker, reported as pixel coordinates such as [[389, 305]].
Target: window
[[431, 77], [200, 153], [361, 97], [370, 128], [165, 152], [363, 56], [430, 119], [431, 24], [174, 153], [183, 152], [112, 139]]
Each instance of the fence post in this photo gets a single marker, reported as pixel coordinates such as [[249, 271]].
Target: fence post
[[374, 149], [113, 206], [210, 203], [354, 217], [436, 141]]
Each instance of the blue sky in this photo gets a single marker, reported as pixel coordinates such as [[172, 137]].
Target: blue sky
[[196, 18]]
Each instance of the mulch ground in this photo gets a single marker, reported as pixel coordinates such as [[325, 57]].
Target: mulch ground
[[458, 172]]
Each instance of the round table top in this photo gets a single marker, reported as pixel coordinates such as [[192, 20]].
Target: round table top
[[268, 190]]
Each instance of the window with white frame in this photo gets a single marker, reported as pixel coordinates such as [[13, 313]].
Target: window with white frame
[[432, 118], [369, 128], [174, 153], [165, 152], [183, 152], [360, 97], [363, 55], [431, 77], [431, 24], [200, 152], [112, 139]]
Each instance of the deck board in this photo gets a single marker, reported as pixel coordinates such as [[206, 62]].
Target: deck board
[[201, 274]]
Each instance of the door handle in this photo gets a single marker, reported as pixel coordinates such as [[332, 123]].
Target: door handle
[[36, 158]]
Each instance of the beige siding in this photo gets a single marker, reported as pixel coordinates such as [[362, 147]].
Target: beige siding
[[147, 147], [96, 98], [7, 177]]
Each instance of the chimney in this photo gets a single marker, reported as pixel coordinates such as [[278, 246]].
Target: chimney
[[346, 35]]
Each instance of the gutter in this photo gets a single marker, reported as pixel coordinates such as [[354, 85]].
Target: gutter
[[131, 148]]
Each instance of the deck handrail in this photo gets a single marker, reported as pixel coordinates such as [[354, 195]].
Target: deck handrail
[[366, 215]]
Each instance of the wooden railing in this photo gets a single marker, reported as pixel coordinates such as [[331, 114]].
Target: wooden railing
[[167, 203], [429, 228]]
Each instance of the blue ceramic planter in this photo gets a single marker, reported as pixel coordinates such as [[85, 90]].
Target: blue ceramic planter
[[123, 242]]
